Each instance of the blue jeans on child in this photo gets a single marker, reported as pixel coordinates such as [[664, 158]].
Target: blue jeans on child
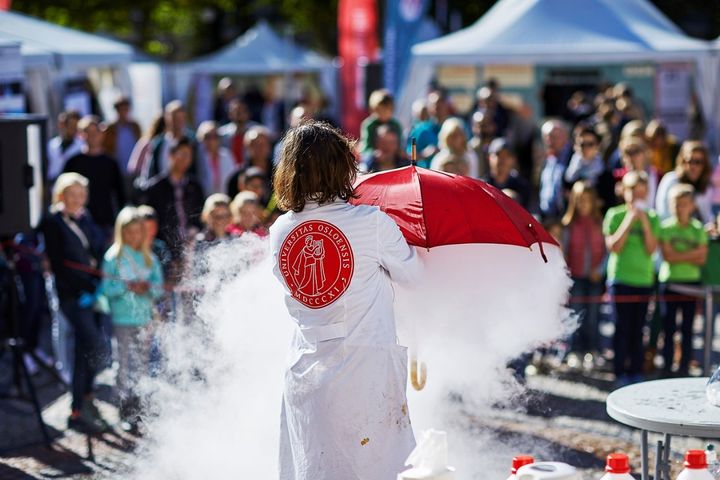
[[669, 309], [585, 338], [630, 319]]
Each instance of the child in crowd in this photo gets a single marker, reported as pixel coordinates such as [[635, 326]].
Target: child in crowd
[[452, 139], [382, 108], [448, 162], [247, 215], [584, 247], [684, 247], [631, 231], [133, 281]]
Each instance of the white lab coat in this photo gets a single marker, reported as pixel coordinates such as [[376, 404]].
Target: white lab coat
[[344, 412]]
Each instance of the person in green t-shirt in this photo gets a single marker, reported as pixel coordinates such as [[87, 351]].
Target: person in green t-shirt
[[382, 108], [683, 241], [631, 231]]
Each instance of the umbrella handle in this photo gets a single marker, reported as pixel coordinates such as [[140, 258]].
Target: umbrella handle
[[418, 383]]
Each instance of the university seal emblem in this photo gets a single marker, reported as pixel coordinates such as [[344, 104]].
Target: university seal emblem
[[317, 263]]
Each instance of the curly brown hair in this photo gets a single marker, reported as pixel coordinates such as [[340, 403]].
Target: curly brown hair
[[317, 164]]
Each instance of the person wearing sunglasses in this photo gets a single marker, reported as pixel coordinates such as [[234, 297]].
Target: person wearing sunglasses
[[587, 165], [692, 167]]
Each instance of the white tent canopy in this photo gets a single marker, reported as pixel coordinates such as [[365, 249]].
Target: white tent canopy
[[555, 32], [43, 42], [260, 51]]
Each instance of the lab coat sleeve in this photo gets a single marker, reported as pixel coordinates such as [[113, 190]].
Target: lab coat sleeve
[[400, 260]]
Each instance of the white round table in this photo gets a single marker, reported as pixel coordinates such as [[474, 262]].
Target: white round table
[[676, 406]]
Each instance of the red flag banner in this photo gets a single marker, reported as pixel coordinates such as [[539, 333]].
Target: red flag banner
[[358, 45]]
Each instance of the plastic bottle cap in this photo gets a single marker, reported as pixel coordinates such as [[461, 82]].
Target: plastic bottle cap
[[695, 459], [617, 463], [520, 461]]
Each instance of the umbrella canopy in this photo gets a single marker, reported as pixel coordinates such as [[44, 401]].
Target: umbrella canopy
[[436, 208]]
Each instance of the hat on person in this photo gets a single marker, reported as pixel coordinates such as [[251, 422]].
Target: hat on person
[[498, 145]]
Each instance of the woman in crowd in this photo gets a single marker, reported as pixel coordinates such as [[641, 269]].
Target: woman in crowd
[[663, 146], [584, 247], [631, 236], [692, 167], [74, 244], [452, 139], [133, 281], [634, 156], [215, 162]]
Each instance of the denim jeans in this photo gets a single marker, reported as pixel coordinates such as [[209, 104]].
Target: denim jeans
[[629, 323], [585, 338], [90, 351], [669, 309]]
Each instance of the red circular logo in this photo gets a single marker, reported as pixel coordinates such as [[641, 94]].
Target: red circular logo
[[317, 263]]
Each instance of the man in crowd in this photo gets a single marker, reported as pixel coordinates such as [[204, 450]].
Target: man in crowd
[[503, 174], [106, 189], [483, 133], [558, 151], [233, 133], [122, 134], [175, 129], [387, 153], [67, 144], [178, 199], [226, 93]]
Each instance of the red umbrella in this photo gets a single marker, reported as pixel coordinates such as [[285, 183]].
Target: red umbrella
[[435, 208]]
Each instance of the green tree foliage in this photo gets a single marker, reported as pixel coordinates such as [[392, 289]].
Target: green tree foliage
[[182, 29]]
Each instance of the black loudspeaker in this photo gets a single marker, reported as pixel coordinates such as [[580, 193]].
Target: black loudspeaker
[[22, 156]]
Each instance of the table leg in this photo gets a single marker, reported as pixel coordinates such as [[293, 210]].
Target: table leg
[[644, 454], [666, 456], [658, 460], [709, 331]]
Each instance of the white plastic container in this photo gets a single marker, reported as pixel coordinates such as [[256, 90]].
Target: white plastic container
[[712, 461], [695, 466], [429, 459], [712, 390], [547, 471], [617, 467], [519, 462]]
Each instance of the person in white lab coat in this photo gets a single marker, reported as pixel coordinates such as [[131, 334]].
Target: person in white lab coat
[[344, 409]]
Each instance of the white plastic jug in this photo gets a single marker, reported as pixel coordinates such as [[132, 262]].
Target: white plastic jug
[[617, 467], [547, 471], [517, 463], [429, 459], [695, 466]]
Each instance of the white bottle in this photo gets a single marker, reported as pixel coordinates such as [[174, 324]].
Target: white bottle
[[517, 462], [429, 459], [712, 461], [712, 390], [695, 466], [548, 471], [617, 467]]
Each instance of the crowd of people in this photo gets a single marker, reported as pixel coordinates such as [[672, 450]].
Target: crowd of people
[[634, 210]]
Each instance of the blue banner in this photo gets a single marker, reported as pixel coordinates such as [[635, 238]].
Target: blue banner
[[402, 21]]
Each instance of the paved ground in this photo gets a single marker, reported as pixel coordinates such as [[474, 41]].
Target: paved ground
[[561, 412]]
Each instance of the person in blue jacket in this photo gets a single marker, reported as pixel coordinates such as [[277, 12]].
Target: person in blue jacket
[[132, 282]]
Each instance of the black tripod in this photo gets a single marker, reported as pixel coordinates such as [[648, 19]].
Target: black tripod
[[10, 339]]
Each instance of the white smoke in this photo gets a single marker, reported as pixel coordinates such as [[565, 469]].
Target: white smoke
[[216, 407]]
